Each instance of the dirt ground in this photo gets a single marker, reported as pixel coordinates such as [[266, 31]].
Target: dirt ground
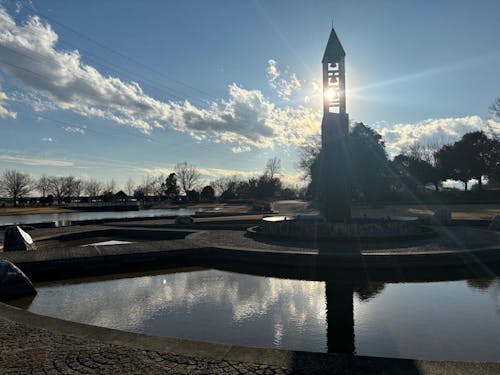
[[461, 211], [31, 210]]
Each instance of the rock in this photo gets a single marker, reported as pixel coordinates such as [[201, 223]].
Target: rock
[[262, 207], [495, 223], [443, 215], [16, 239], [184, 220], [13, 282]]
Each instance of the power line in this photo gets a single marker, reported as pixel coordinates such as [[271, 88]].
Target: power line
[[38, 75], [42, 59], [118, 53]]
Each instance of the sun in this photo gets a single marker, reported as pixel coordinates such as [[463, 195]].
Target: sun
[[331, 94]]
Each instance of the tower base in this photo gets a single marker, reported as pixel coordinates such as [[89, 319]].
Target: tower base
[[334, 185]]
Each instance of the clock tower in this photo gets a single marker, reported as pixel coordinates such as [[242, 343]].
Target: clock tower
[[335, 187]]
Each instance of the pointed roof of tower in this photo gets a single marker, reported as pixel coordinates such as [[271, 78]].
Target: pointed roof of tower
[[333, 47]]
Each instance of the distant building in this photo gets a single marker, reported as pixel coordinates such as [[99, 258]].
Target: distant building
[[121, 197]]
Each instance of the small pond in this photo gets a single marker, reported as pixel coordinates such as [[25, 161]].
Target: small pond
[[81, 216], [446, 320]]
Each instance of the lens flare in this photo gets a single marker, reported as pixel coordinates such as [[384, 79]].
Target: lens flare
[[331, 94]]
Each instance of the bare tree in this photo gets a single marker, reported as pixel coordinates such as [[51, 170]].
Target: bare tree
[[223, 184], [495, 112], [308, 155], [426, 152], [187, 175], [156, 185], [273, 167], [72, 187], [58, 187], [495, 109], [77, 188], [110, 186], [93, 188], [146, 187], [130, 187], [42, 185], [16, 184]]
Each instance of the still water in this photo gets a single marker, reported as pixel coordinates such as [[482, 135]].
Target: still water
[[78, 216], [453, 320]]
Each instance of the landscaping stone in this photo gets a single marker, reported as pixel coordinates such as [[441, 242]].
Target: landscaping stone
[[184, 220], [13, 282], [443, 216], [495, 223], [16, 239]]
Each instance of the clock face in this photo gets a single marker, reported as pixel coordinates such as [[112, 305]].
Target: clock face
[[332, 87]]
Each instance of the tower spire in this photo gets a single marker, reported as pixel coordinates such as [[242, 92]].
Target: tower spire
[[334, 48]]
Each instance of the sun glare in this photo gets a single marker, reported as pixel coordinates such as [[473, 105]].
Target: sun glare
[[331, 94]]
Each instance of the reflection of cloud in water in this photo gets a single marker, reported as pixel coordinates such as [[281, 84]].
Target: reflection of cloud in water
[[209, 305], [495, 294]]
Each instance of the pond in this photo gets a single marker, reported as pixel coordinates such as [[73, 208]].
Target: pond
[[446, 320], [81, 216]]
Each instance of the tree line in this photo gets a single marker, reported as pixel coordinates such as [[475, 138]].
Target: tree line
[[183, 183], [372, 174]]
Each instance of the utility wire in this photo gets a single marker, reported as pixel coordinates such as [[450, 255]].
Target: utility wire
[[41, 59], [118, 53]]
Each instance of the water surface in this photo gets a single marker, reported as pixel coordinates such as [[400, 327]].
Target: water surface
[[80, 216], [453, 320]]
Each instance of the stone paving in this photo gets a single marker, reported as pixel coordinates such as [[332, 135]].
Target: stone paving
[[449, 239], [29, 350]]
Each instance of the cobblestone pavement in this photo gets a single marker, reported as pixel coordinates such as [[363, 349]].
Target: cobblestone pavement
[[452, 238], [28, 350]]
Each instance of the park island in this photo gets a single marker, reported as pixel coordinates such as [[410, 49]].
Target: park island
[[373, 267]]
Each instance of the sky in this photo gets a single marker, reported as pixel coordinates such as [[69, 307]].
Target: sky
[[124, 89]]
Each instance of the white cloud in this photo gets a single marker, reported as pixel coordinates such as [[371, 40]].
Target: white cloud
[[272, 70], [48, 139], [74, 129], [246, 118], [18, 7], [398, 137], [240, 149], [36, 102], [29, 53], [33, 161], [284, 87], [4, 112]]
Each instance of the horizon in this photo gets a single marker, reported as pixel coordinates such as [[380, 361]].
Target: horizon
[[121, 98]]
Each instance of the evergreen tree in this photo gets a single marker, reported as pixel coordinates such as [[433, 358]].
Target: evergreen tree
[[170, 187]]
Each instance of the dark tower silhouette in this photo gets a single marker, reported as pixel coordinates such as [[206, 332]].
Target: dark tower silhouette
[[339, 318], [335, 195]]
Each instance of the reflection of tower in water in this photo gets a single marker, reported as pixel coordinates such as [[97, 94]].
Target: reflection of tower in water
[[339, 318], [340, 312]]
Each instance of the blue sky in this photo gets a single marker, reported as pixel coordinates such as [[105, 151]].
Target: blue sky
[[123, 89]]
